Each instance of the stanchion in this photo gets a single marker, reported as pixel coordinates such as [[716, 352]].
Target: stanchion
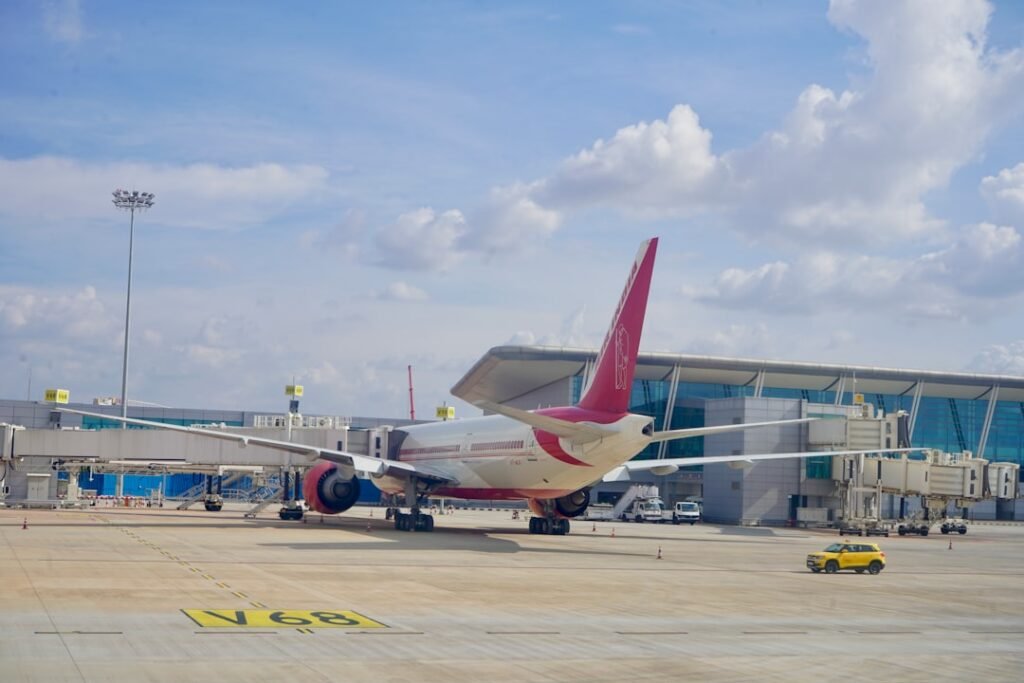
[[24, 523], [594, 527], [951, 544], [659, 552], [613, 532]]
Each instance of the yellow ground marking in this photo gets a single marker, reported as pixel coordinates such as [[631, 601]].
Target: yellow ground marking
[[240, 595], [292, 618], [223, 585], [257, 604]]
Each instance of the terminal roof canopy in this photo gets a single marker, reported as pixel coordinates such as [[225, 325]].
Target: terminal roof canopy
[[508, 372]]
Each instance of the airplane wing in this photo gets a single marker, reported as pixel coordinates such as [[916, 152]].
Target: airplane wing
[[702, 431], [577, 432], [357, 461], [670, 465]]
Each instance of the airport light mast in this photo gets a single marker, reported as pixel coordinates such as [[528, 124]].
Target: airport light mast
[[130, 201]]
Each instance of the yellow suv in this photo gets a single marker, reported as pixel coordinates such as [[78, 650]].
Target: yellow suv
[[856, 556]]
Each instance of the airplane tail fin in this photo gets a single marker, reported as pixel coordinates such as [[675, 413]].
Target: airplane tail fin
[[612, 380]]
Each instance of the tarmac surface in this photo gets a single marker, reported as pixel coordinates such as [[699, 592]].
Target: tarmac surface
[[99, 595]]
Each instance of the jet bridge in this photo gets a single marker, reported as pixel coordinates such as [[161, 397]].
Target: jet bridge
[[940, 480], [36, 452]]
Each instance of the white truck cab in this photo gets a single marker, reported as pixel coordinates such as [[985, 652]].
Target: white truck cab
[[686, 511]]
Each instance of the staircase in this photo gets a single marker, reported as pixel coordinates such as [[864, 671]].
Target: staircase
[[198, 492], [266, 495], [631, 494]]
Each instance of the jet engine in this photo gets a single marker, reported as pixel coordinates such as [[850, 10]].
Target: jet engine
[[327, 491], [572, 505]]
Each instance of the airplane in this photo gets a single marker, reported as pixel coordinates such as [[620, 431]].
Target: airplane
[[550, 457]]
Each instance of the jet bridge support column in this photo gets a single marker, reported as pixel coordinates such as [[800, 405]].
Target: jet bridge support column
[[290, 507], [213, 502]]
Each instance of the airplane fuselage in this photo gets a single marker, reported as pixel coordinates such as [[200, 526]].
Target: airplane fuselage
[[497, 458]]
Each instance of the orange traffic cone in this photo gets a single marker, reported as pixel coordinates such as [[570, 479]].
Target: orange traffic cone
[[24, 523], [659, 552], [594, 527], [613, 532], [951, 544], [371, 512]]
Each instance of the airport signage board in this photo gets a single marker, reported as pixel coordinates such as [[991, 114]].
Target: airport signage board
[[57, 395]]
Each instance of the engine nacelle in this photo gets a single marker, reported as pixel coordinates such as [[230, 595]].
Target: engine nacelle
[[327, 491], [572, 505]]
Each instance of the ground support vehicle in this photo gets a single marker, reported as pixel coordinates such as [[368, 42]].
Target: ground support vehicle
[[862, 528], [646, 510], [950, 526], [913, 528], [685, 512]]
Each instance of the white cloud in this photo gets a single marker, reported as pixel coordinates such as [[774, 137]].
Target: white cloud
[[62, 20], [422, 240], [571, 333], [985, 262], [734, 340], [1005, 193], [1000, 359], [75, 316], [509, 220], [195, 195], [401, 291], [649, 168], [845, 168]]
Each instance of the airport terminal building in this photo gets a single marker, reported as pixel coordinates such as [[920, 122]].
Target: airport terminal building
[[952, 412]]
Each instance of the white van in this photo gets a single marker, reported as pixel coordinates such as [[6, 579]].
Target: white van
[[686, 512]]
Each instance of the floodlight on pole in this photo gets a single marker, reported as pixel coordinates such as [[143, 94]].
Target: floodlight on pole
[[130, 201]]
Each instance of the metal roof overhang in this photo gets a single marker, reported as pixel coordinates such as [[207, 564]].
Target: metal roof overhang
[[507, 372]]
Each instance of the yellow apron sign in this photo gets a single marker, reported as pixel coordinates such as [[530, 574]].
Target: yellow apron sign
[[57, 395], [288, 618]]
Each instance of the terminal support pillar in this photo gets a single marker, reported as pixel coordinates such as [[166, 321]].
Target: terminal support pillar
[[670, 403], [915, 404], [993, 398]]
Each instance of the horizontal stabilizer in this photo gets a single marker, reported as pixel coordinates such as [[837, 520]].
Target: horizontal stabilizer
[[577, 432], [704, 431]]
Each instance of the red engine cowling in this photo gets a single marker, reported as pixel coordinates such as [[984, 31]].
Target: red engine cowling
[[327, 491], [572, 505]]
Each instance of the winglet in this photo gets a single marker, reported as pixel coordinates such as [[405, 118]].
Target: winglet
[[612, 380]]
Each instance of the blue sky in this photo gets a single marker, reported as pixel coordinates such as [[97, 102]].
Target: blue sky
[[348, 188]]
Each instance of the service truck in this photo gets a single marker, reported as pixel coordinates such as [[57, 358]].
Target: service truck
[[646, 509], [685, 512]]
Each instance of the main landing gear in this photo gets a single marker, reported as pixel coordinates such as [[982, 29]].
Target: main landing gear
[[414, 520], [556, 526], [550, 523]]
